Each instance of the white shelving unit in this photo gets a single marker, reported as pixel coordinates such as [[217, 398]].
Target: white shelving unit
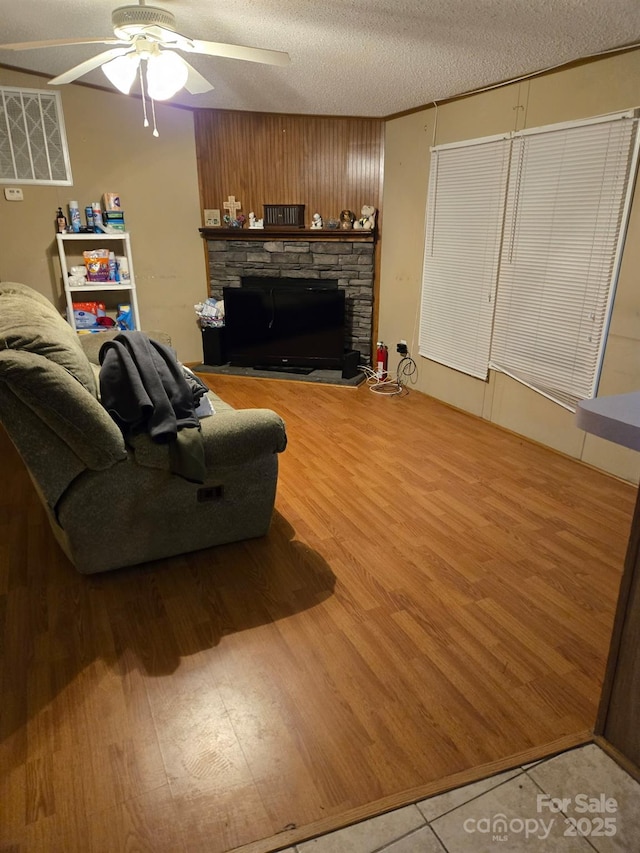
[[89, 292]]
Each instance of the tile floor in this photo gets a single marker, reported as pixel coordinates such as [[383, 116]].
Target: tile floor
[[577, 802]]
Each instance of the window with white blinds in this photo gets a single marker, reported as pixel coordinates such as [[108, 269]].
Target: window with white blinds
[[33, 144], [565, 220], [462, 246], [524, 236]]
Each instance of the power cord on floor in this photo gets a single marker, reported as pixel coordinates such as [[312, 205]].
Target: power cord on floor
[[392, 385]]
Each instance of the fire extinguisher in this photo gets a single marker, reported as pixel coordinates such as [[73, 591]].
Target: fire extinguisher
[[382, 360]]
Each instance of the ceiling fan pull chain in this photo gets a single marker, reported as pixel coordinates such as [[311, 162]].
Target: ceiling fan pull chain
[[153, 112], [145, 123]]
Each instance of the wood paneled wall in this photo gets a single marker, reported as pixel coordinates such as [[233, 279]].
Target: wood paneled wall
[[325, 163]]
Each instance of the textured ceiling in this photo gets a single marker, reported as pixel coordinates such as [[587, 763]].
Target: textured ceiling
[[348, 57]]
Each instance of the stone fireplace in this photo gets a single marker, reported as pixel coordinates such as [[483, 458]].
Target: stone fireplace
[[345, 257]]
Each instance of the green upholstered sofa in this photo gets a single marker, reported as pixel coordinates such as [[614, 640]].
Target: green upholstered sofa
[[111, 505]]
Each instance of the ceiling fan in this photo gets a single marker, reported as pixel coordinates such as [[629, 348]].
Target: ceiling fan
[[147, 34]]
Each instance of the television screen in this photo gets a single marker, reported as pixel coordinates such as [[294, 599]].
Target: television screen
[[294, 326]]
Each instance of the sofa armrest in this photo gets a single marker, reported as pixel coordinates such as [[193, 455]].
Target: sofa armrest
[[92, 342], [229, 438]]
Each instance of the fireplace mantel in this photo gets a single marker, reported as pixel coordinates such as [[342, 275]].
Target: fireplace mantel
[[324, 234]]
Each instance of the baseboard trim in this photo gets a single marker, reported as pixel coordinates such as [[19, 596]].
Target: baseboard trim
[[627, 765]]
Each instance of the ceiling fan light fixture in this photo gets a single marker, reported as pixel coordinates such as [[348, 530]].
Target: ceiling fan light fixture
[[148, 33], [121, 71], [166, 74]]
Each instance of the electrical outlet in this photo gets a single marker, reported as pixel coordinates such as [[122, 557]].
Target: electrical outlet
[[212, 218], [13, 194]]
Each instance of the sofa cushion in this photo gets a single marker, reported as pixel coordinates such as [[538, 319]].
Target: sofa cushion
[[64, 406], [29, 322]]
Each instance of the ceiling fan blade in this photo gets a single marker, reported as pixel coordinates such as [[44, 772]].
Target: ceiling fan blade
[[196, 84], [238, 51], [30, 45], [88, 65]]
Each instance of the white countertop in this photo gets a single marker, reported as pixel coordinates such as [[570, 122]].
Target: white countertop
[[616, 418]]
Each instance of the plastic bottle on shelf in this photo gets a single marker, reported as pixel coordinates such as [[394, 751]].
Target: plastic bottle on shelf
[[98, 224], [61, 222], [123, 268], [74, 216], [113, 267]]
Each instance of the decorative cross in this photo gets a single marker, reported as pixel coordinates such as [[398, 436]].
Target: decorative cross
[[232, 206]]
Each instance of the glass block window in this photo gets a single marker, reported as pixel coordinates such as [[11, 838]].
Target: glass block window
[[33, 143]]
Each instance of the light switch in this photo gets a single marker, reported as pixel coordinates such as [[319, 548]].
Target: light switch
[[13, 194]]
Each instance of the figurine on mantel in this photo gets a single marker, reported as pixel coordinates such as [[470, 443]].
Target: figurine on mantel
[[255, 223], [347, 218], [316, 221], [238, 222], [367, 221]]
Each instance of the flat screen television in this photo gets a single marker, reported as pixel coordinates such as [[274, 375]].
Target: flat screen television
[[284, 327]]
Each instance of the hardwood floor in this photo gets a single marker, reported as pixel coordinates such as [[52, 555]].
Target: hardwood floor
[[435, 596]]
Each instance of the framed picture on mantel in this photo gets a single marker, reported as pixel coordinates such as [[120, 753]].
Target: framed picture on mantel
[[212, 219]]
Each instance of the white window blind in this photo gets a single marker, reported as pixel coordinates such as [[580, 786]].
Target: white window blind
[[567, 204], [33, 144], [465, 208]]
